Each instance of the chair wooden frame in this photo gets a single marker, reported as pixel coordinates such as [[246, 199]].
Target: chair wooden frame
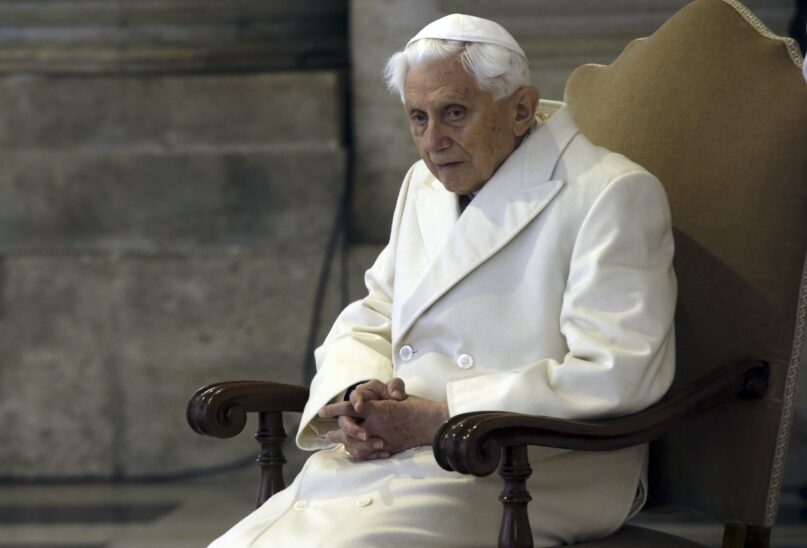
[[479, 443]]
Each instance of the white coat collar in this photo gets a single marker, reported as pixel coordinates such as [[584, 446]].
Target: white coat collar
[[509, 201]]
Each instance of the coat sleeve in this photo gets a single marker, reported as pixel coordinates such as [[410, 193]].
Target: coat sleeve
[[616, 317], [358, 347]]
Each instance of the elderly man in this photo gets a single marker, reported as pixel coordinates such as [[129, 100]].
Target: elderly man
[[527, 270]]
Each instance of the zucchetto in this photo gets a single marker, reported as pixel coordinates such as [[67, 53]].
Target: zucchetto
[[467, 28]]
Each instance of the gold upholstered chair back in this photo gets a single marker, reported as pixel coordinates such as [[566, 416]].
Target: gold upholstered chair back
[[715, 105]]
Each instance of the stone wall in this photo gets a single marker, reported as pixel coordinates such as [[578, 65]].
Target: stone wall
[[146, 36], [165, 200]]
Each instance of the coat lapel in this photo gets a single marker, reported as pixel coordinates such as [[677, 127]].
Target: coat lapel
[[437, 212], [510, 200]]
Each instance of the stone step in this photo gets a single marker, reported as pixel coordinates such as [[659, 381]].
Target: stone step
[[151, 202], [85, 13], [327, 52], [98, 36], [172, 111], [101, 352]]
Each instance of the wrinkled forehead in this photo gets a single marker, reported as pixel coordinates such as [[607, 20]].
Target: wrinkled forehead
[[440, 81]]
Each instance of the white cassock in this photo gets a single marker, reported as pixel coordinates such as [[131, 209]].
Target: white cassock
[[552, 293]]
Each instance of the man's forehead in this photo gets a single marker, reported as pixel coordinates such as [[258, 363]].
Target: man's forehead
[[439, 82], [416, 96]]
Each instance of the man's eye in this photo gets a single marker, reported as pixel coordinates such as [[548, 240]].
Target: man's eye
[[418, 118], [455, 113]]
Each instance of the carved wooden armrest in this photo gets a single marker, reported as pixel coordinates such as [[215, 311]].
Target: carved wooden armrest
[[220, 410], [475, 443]]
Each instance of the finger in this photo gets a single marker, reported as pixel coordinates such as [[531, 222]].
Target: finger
[[335, 436], [362, 453], [376, 443], [351, 428], [360, 395], [357, 400], [336, 409], [366, 447], [358, 450], [396, 388], [374, 385], [370, 390]]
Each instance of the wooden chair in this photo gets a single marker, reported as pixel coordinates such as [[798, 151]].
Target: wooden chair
[[716, 107]]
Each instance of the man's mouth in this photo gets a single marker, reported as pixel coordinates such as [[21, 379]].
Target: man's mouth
[[449, 165]]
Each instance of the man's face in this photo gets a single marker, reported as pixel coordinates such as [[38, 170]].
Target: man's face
[[462, 135]]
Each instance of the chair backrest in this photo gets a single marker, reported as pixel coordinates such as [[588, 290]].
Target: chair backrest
[[716, 106]]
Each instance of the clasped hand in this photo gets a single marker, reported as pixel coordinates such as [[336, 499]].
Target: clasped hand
[[381, 419]]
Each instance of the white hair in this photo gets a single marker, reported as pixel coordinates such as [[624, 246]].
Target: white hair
[[496, 69]]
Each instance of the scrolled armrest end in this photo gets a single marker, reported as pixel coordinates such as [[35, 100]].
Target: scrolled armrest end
[[463, 445], [220, 409]]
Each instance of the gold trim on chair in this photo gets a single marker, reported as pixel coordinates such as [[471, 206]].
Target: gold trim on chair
[[759, 26], [789, 401]]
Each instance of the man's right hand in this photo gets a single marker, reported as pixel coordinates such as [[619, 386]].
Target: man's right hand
[[350, 433]]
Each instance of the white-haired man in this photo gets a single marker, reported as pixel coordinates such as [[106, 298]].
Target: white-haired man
[[528, 271]]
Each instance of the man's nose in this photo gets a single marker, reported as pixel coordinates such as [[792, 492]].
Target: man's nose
[[435, 138]]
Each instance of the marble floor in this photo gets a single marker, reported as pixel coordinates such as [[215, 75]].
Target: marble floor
[[190, 513]]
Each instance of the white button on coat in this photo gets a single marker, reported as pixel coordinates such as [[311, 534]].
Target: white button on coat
[[301, 505], [364, 501], [465, 361], [406, 352]]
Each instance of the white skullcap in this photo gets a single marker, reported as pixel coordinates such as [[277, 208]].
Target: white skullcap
[[467, 28]]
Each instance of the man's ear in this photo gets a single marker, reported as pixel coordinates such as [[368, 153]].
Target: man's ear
[[526, 103]]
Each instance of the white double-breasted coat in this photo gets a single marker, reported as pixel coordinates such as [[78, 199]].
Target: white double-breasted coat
[[552, 293]]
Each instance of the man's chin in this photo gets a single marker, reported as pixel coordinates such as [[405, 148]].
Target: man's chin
[[451, 186], [453, 181], [459, 187]]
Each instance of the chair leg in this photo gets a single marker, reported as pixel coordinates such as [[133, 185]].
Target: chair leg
[[515, 531], [757, 537], [270, 435], [742, 535], [734, 535]]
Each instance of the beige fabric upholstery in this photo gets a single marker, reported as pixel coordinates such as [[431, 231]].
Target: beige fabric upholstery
[[717, 108]]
